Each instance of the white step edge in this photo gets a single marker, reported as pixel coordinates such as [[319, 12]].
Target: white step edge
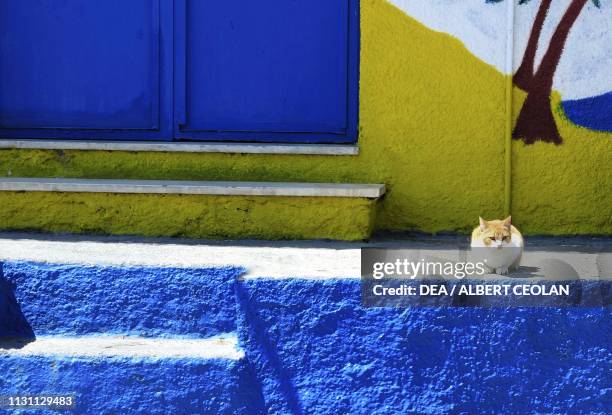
[[185, 147], [264, 259], [225, 347], [226, 188], [261, 259]]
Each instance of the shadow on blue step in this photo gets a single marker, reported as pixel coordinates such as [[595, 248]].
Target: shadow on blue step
[[15, 331]]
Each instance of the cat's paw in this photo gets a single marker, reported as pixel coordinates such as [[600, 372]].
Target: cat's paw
[[501, 271], [487, 269]]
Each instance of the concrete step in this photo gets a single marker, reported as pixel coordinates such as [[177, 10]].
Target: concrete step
[[133, 375], [310, 346], [76, 299], [128, 339], [195, 209]]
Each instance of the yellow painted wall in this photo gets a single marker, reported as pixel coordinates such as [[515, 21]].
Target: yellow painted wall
[[432, 124], [564, 189], [191, 216]]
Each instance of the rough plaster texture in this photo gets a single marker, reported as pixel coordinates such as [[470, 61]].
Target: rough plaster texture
[[150, 302], [565, 189], [311, 348], [431, 127], [317, 351], [431, 136], [195, 216], [136, 386]]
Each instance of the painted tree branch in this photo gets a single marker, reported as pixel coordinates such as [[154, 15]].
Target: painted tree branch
[[536, 120], [525, 73]]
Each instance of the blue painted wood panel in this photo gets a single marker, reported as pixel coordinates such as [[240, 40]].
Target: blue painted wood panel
[[269, 70], [80, 65]]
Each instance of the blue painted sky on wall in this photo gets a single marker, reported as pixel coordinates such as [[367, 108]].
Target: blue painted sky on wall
[[593, 112]]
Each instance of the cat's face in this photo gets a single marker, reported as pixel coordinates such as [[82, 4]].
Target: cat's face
[[496, 233]]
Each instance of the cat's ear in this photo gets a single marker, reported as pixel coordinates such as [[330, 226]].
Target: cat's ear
[[508, 222], [483, 223]]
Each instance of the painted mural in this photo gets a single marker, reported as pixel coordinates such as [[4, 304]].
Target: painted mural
[[433, 126], [562, 53], [536, 121]]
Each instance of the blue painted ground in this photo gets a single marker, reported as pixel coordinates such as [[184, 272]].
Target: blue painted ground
[[593, 112], [311, 348]]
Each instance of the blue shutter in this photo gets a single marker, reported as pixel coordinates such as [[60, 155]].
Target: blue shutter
[[268, 70], [242, 70], [80, 68]]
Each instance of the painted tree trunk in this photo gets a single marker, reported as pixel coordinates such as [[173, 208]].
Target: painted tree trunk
[[524, 75], [536, 120]]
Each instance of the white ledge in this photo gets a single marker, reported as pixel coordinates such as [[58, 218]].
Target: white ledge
[[14, 184], [261, 259], [225, 347], [189, 147], [296, 259]]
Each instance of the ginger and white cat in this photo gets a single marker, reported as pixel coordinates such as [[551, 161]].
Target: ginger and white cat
[[498, 244]]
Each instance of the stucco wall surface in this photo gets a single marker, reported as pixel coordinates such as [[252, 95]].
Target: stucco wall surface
[[39, 299], [432, 127], [563, 189], [309, 345], [135, 386], [431, 124], [193, 216], [151, 302], [316, 350]]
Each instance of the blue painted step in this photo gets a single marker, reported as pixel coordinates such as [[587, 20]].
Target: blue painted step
[[313, 347], [317, 350], [136, 386], [162, 303], [146, 301]]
